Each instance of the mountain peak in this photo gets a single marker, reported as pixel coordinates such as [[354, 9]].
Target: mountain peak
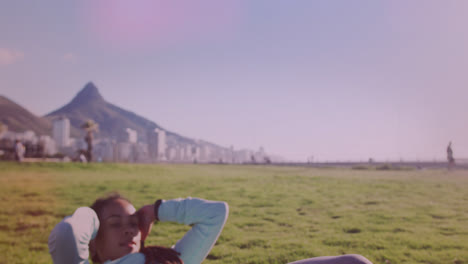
[[88, 93]]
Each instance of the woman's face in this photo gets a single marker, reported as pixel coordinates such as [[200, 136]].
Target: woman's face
[[119, 233]]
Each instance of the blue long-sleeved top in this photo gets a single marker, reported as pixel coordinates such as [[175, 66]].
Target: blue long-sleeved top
[[69, 240]]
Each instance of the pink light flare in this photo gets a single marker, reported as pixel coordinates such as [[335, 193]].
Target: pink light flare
[[155, 23]]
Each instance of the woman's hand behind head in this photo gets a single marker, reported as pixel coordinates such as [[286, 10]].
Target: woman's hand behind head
[[146, 219]]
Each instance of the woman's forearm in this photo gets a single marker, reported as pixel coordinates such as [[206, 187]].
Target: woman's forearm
[[208, 219]]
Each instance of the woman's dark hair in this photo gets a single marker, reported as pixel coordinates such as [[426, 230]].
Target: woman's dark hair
[[102, 202], [153, 254]]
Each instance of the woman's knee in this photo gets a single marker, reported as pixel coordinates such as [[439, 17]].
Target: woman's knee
[[355, 259], [343, 259]]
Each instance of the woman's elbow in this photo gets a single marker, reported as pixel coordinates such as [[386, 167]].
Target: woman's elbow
[[225, 209], [222, 211]]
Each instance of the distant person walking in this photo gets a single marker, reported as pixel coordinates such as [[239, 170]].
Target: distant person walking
[[450, 159], [19, 151]]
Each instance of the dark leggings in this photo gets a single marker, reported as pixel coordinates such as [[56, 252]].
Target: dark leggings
[[344, 259]]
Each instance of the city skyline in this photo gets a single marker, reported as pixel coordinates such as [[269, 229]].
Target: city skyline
[[60, 146], [333, 80], [118, 135]]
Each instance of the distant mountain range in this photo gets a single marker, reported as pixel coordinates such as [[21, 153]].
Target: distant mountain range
[[87, 104], [18, 119]]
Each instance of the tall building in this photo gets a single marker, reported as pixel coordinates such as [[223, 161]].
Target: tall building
[[179, 154], [205, 153], [188, 153], [171, 154], [132, 135], [161, 144], [3, 130], [48, 145], [61, 131], [157, 145], [124, 152]]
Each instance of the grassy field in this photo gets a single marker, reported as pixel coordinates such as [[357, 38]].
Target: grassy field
[[277, 214]]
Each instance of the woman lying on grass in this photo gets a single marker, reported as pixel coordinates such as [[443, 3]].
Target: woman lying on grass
[[113, 232]]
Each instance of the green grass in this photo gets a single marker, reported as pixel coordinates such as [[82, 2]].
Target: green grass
[[277, 214]]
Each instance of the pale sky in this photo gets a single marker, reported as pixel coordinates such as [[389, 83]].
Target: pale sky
[[337, 80]]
